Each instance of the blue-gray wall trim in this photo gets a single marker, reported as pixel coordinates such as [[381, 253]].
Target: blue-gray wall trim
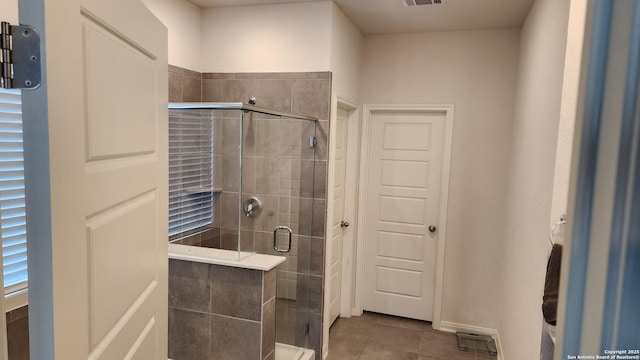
[[596, 71], [624, 185], [38, 197]]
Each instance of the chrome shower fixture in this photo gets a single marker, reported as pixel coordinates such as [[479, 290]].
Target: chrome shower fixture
[[252, 207]]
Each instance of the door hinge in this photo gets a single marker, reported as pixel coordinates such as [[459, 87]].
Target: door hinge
[[19, 56]]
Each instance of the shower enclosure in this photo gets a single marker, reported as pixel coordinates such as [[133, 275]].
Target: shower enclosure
[[241, 178]]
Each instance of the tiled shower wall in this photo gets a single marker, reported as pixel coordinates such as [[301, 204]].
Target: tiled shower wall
[[184, 85], [220, 312], [302, 206]]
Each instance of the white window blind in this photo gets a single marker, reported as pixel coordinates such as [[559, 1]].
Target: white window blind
[[12, 200], [190, 170]]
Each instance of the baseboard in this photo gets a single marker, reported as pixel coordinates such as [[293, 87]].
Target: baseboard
[[452, 327]]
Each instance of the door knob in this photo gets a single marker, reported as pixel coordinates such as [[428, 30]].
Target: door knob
[[432, 228], [344, 224]]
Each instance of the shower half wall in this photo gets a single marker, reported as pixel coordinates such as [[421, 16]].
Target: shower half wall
[[301, 278]]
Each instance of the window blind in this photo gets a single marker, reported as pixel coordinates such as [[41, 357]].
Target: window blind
[[190, 170], [12, 199]]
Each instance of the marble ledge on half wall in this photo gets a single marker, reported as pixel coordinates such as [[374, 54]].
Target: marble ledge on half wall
[[224, 257]]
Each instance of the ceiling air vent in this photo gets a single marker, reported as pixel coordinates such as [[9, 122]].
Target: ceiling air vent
[[422, 2]]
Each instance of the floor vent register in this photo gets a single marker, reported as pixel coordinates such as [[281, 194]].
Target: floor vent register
[[484, 343]]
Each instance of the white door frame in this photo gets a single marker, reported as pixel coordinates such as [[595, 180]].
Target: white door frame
[[350, 211], [350, 206], [367, 111]]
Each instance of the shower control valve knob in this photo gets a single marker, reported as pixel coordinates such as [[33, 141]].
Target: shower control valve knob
[[432, 228], [252, 207]]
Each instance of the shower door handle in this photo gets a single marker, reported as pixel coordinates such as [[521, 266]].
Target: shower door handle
[[275, 239]]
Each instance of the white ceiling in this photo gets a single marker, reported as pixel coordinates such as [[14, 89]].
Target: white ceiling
[[391, 16]]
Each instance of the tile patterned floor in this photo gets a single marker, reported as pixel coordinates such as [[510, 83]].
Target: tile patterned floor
[[382, 337]]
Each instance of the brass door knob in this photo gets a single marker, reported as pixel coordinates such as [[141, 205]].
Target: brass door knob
[[432, 228]]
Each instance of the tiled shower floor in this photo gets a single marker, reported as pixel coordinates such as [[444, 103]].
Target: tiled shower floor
[[382, 337]]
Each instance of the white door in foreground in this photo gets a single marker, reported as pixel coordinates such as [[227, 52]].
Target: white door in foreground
[[104, 294]]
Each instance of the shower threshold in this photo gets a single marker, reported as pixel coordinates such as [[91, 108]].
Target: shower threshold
[[290, 352]]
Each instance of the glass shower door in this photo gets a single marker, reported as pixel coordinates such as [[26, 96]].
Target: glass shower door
[[293, 296], [277, 201]]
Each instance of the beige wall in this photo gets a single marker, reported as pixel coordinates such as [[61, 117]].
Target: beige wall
[[533, 154], [346, 49], [9, 11], [304, 37], [476, 71], [268, 38], [184, 22]]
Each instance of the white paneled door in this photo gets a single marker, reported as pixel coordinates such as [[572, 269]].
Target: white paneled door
[[105, 102], [339, 223], [403, 196]]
